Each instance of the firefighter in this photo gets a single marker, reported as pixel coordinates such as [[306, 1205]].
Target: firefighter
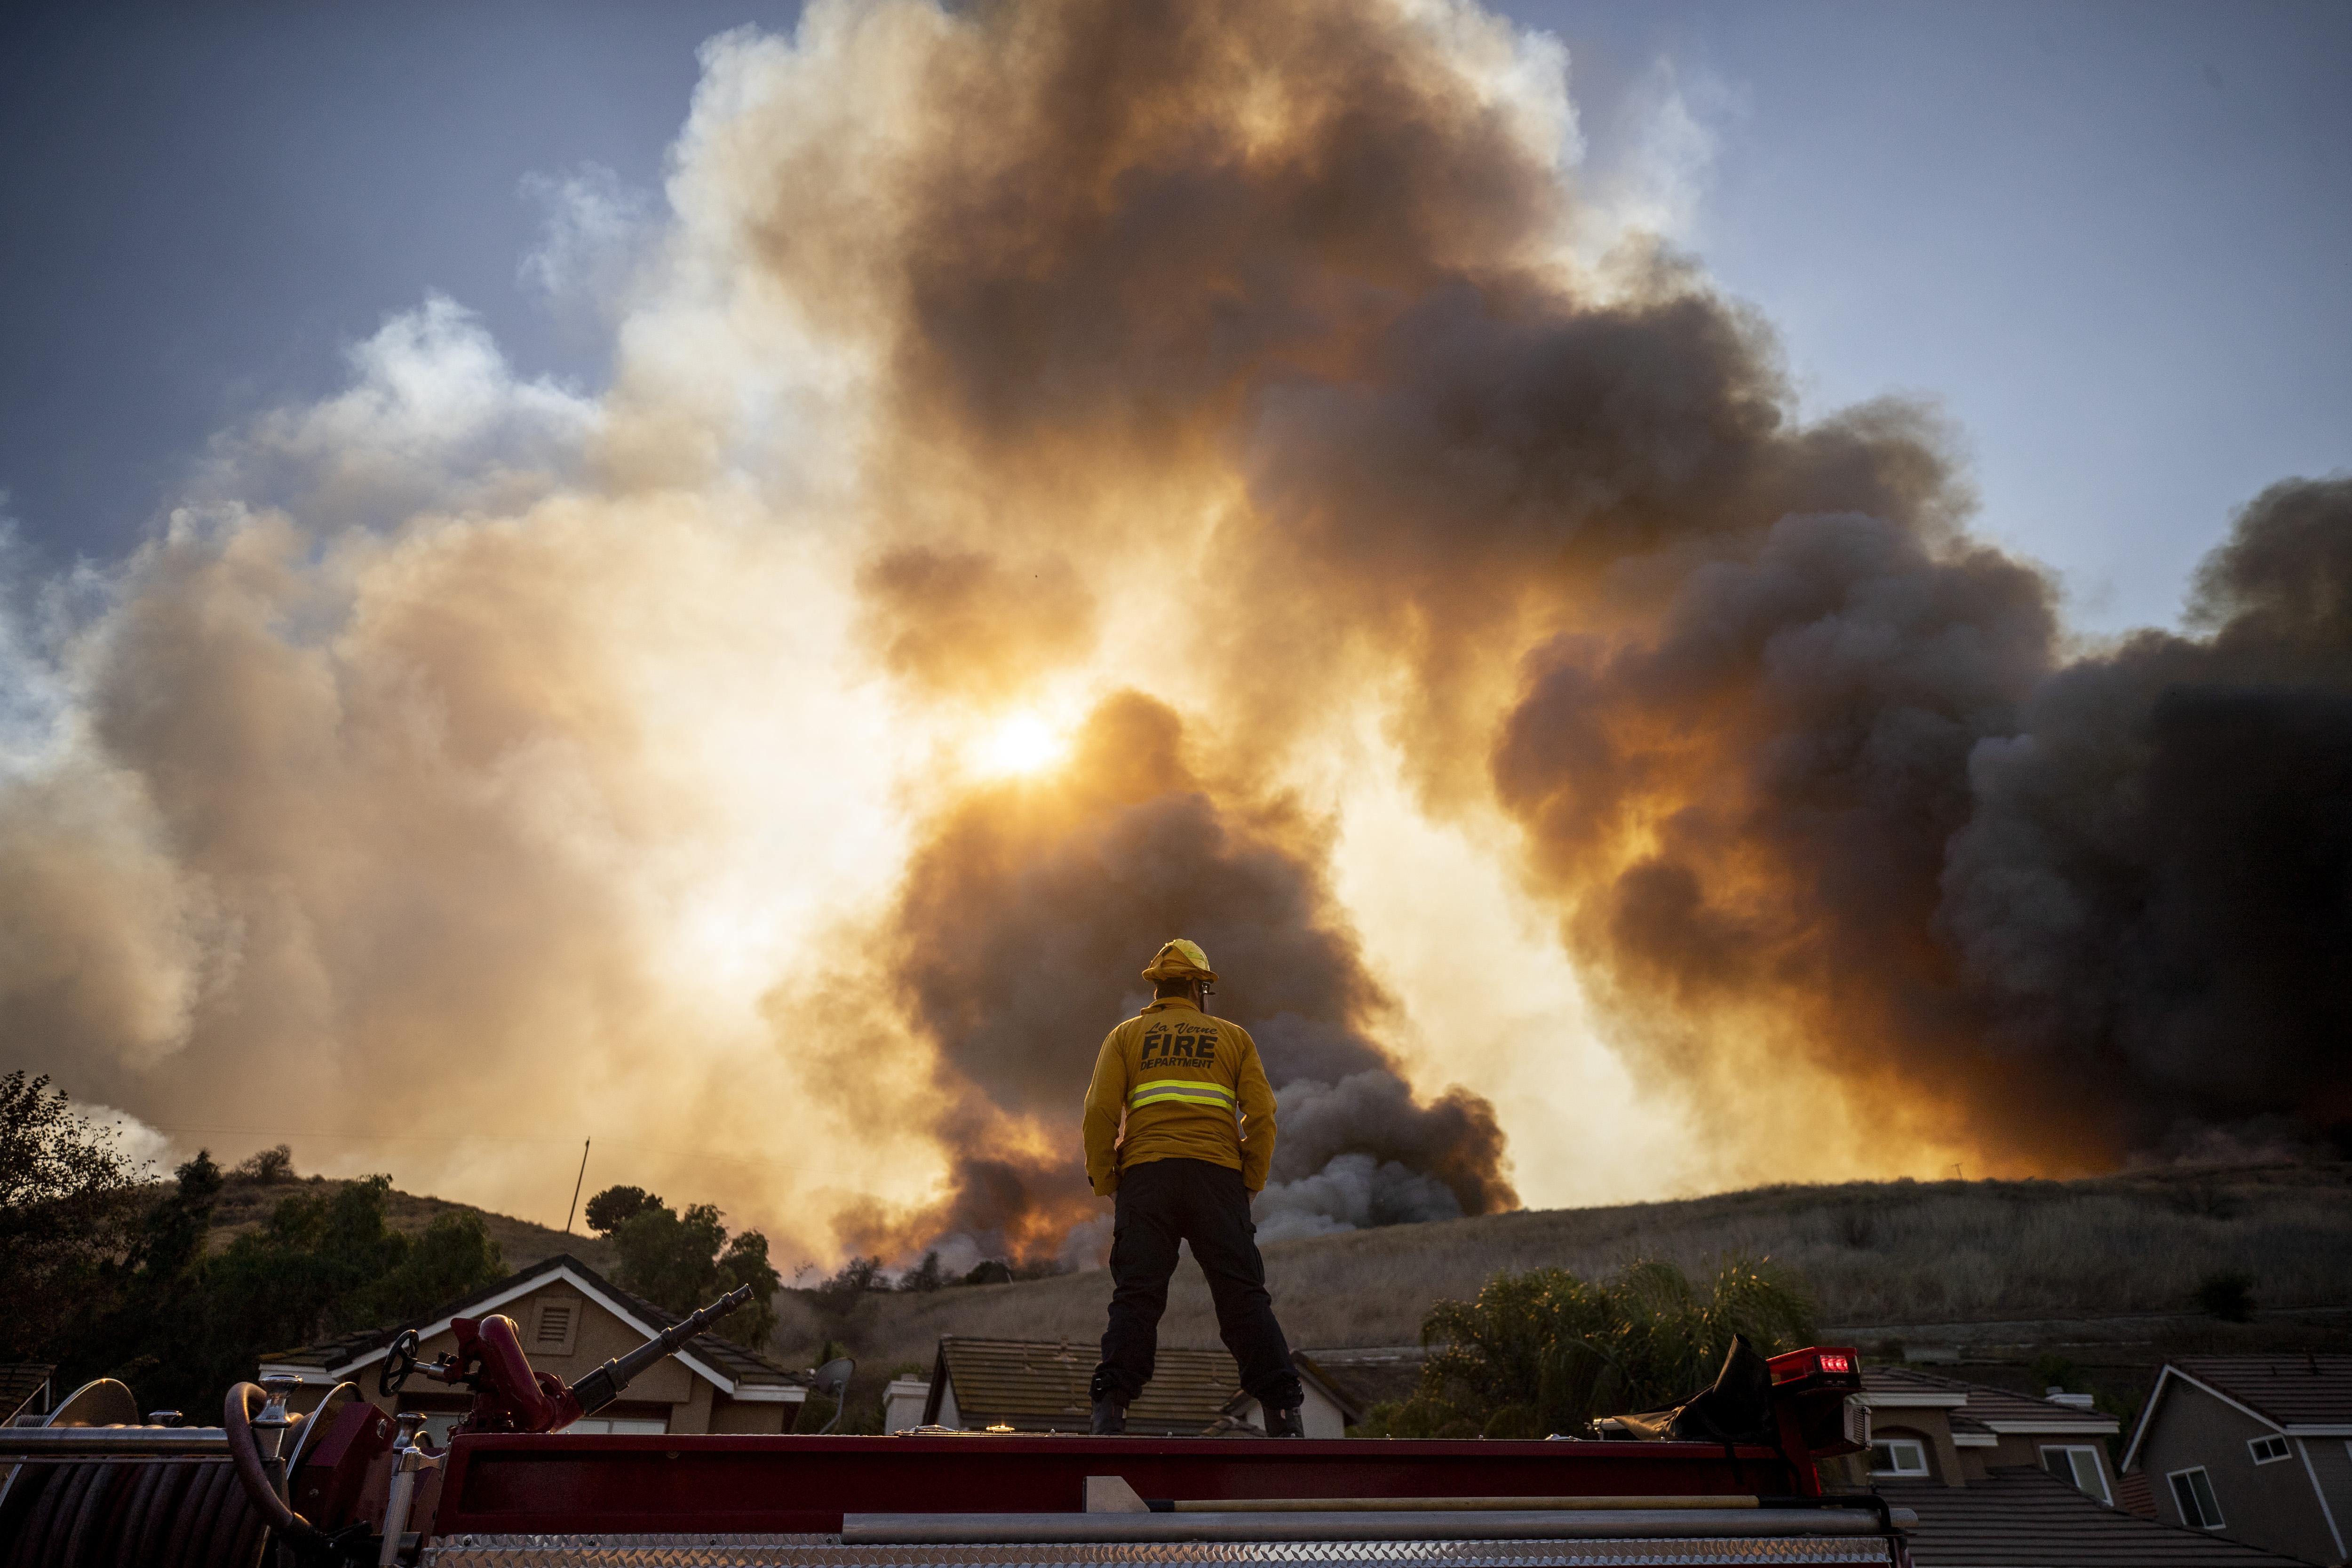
[[1198, 1140]]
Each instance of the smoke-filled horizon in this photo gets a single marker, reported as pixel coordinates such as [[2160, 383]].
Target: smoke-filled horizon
[[1075, 476]]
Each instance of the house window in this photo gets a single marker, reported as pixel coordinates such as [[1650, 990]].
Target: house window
[[2269, 1450], [597, 1424], [1898, 1457], [2193, 1492], [2079, 1468], [558, 1316]]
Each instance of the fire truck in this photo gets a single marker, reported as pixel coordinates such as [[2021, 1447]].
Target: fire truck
[[1729, 1478]]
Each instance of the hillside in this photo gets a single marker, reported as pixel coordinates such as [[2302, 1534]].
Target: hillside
[[1884, 1258], [243, 1204], [1990, 1274]]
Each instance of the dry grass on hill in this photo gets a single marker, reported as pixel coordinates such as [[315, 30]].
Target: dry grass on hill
[[1875, 1254], [246, 1205]]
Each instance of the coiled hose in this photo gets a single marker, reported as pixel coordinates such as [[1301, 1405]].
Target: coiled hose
[[113, 1514], [177, 1512]]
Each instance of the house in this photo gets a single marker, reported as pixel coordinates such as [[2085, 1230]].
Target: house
[[2021, 1516], [572, 1320], [1999, 1477], [1041, 1385], [1924, 1427], [2255, 1447]]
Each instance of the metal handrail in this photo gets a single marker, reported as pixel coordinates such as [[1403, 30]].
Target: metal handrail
[[34, 1445]]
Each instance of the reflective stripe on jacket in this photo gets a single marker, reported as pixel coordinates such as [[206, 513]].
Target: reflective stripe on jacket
[[1186, 1086]]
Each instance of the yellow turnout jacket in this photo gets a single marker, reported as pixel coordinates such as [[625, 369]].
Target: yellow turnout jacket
[[1189, 1087]]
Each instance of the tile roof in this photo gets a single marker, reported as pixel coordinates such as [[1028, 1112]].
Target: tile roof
[[1361, 1377], [742, 1366], [1313, 1373], [1041, 1385], [1904, 1379], [2291, 1390], [2023, 1517], [1995, 1408]]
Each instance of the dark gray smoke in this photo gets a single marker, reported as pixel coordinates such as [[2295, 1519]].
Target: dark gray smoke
[[2153, 893], [1804, 767], [1025, 920]]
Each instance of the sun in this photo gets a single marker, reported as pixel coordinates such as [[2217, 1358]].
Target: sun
[[1023, 744]]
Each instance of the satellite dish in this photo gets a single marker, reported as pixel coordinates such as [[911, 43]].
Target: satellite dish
[[832, 1380]]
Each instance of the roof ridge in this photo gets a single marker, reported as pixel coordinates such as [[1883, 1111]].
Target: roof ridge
[[707, 1343]]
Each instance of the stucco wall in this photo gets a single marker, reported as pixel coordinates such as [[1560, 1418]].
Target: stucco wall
[[667, 1391], [2268, 1505], [1932, 1429]]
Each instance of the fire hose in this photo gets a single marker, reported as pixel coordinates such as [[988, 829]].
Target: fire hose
[[263, 1475], [95, 1488]]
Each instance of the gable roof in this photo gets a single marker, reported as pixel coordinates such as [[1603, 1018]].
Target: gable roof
[[1358, 1377], [2291, 1390], [1041, 1385], [1045, 1385], [1987, 1409], [729, 1367], [2302, 1396], [1316, 1375], [2023, 1517]]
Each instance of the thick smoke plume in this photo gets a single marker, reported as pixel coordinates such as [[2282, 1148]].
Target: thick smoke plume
[[1015, 935], [1063, 463]]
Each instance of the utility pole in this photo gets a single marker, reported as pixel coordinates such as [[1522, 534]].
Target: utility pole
[[576, 1184]]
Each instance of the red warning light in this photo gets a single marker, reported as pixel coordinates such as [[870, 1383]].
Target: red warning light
[[1836, 1361]]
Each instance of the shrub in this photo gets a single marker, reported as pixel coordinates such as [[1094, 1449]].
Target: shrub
[[2227, 1294], [839, 1292], [266, 1166], [1545, 1351]]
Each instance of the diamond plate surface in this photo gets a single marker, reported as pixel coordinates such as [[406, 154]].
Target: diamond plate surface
[[827, 1552]]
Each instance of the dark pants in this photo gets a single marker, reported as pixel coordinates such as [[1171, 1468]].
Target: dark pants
[[1160, 1204]]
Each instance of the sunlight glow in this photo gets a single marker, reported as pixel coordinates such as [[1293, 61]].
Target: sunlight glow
[[1023, 744]]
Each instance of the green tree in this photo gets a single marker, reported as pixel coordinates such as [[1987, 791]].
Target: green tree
[[684, 1261], [179, 1324], [615, 1207], [453, 1257], [150, 1321], [330, 1262], [1545, 1351], [68, 1207]]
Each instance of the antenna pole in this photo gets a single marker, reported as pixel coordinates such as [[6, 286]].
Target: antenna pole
[[576, 1184]]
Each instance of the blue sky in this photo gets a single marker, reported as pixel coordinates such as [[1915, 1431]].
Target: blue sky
[[2113, 241]]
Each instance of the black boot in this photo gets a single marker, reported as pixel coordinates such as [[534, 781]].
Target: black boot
[[1110, 1417], [1285, 1423]]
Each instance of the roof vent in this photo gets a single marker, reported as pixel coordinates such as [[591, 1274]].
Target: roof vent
[[2074, 1401], [555, 1328]]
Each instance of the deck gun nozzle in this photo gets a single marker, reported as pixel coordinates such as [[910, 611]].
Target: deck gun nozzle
[[603, 1386]]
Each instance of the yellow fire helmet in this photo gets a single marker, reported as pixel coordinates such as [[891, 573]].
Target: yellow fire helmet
[[1180, 960]]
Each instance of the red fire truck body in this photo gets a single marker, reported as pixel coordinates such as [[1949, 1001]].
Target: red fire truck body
[[537, 1485], [337, 1488]]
